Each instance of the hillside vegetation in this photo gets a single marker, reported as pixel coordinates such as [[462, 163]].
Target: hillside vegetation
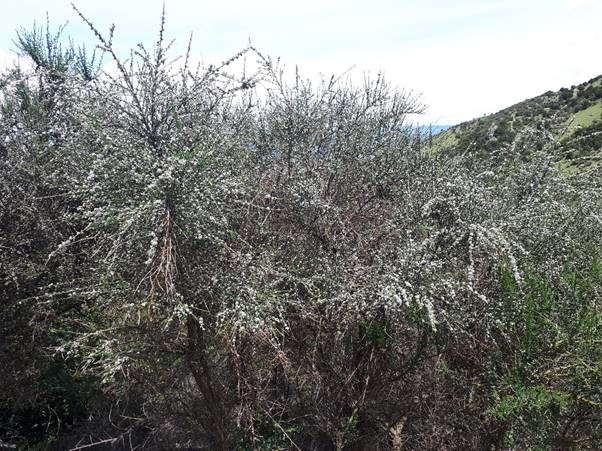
[[216, 258], [568, 123]]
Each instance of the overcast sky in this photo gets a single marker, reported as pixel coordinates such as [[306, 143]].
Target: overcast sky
[[466, 57]]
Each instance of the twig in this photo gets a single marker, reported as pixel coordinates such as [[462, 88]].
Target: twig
[[90, 445]]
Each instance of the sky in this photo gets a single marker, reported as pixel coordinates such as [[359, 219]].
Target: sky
[[464, 58]]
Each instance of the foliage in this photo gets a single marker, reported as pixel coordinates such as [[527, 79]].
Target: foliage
[[267, 262], [564, 123], [549, 370]]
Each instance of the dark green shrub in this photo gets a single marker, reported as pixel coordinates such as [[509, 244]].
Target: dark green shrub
[[549, 370]]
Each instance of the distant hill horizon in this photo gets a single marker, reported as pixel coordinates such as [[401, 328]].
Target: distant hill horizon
[[567, 123], [435, 129]]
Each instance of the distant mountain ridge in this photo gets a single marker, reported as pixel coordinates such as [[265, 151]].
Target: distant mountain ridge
[[433, 129], [567, 122]]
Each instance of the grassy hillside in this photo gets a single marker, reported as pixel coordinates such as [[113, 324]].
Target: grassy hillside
[[568, 123]]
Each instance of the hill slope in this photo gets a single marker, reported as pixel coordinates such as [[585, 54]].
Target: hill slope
[[567, 122]]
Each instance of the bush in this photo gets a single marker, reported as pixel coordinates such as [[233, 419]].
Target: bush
[[547, 372], [265, 262]]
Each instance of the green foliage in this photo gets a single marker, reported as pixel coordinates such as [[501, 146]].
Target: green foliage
[[268, 435], [549, 368], [63, 399], [378, 334], [46, 49], [563, 124]]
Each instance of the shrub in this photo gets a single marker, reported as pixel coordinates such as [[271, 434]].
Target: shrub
[[266, 262]]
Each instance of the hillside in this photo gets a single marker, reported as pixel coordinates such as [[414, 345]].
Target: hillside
[[568, 123]]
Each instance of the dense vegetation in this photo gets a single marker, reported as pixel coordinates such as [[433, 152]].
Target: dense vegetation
[[192, 259]]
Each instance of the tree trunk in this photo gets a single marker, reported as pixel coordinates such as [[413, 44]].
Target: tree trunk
[[216, 422]]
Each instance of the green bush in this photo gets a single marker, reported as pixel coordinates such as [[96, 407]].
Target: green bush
[[549, 370]]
